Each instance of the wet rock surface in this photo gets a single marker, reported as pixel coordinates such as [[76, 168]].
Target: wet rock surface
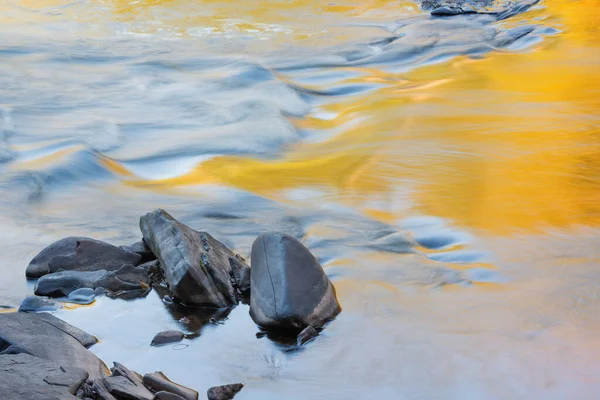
[[161, 384], [142, 249], [35, 303], [289, 289], [197, 267], [225, 392], [47, 337], [64, 283], [80, 254], [122, 388], [167, 337], [25, 377]]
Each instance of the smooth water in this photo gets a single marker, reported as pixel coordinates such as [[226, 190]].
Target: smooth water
[[446, 171]]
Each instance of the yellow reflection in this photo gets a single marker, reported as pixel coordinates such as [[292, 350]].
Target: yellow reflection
[[513, 142]]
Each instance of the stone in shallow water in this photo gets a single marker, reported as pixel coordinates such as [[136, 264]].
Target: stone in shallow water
[[225, 392], [198, 268], [289, 289], [82, 296], [45, 336], [159, 382], [166, 337], [79, 254], [37, 304], [306, 335], [23, 376]]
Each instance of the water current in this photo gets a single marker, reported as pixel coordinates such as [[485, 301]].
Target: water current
[[445, 170]]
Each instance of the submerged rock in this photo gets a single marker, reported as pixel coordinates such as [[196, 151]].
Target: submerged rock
[[225, 392], [199, 270], [82, 296], [80, 254], [37, 304], [158, 382], [289, 289], [47, 337], [167, 337], [23, 376]]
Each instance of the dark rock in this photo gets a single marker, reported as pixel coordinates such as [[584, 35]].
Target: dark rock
[[81, 254], [197, 267], [226, 392], [123, 388], [167, 337], [45, 336], [241, 275], [62, 283], [158, 382], [23, 376], [34, 303], [289, 289], [101, 390], [126, 278], [119, 369], [306, 335], [141, 249], [167, 396]]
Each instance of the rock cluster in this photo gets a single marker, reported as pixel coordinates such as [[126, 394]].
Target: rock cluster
[[44, 357]]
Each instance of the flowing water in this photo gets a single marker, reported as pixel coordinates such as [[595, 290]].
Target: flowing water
[[446, 172]]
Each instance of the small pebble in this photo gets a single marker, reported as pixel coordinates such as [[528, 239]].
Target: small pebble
[[167, 337]]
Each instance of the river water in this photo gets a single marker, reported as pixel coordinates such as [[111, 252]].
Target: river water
[[446, 172]]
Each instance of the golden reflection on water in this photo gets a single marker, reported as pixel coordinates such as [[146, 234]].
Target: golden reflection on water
[[506, 143]]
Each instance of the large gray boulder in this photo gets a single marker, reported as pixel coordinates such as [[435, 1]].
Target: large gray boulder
[[200, 270], [23, 376], [47, 337], [80, 254], [289, 289]]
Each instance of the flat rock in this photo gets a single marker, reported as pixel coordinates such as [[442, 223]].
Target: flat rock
[[45, 336], [289, 289], [23, 376], [225, 392], [197, 267], [158, 382], [123, 388], [80, 254], [166, 337], [119, 369], [37, 304]]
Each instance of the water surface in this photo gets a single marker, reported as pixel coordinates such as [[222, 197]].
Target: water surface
[[444, 170]]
